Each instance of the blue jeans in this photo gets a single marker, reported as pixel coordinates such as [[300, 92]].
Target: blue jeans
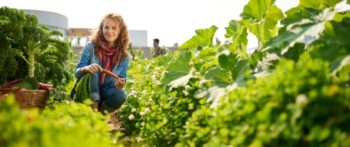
[[109, 96]]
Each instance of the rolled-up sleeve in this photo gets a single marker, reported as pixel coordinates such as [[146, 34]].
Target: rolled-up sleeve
[[125, 66], [84, 59]]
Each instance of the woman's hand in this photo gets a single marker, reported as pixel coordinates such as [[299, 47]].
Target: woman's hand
[[119, 83], [92, 68]]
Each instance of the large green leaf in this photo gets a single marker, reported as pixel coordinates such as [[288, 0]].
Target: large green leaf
[[237, 68], [178, 71], [232, 69], [207, 52], [288, 38], [257, 9], [232, 28], [181, 81], [261, 17], [295, 51], [203, 37], [266, 29], [238, 32], [219, 76], [227, 60], [304, 23], [201, 57], [241, 70], [296, 14], [339, 65], [334, 43], [304, 31], [318, 4], [229, 77], [337, 32], [341, 69]]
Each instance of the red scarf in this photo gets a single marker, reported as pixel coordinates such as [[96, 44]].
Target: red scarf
[[108, 59]]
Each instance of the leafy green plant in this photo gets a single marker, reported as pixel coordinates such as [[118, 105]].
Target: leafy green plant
[[29, 48], [292, 90], [64, 124], [83, 88], [278, 109], [267, 97]]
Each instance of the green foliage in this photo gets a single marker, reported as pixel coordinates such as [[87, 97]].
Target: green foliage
[[150, 115], [238, 32], [203, 38], [304, 31], [341, 70], [27, 46], [293, 90], [333, 43], [298, 13], [54, 55], [261, 17], [278, 109], [221, 95], [66, 124], [219, 76], [318, 4], [11, 23], [28, 83], [178, 73], [83, 88]]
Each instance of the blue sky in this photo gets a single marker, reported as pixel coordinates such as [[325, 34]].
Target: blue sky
[[169, 20]]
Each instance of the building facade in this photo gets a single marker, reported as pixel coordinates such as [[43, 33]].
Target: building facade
[[52, 20]]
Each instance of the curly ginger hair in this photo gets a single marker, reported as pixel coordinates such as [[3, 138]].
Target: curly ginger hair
[[122, 41]]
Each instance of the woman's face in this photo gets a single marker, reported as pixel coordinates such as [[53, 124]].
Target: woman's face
[[110, 31]]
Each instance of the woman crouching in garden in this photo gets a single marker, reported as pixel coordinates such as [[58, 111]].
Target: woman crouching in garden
[[107, 51]]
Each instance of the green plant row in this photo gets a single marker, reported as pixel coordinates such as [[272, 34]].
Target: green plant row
[[291, 90], [64, 124]]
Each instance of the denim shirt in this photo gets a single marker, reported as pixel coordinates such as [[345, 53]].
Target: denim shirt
[[88, 57]]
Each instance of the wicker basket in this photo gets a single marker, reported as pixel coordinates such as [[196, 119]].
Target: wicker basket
[[28, 98]]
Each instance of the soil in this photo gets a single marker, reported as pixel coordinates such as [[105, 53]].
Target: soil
[[115, 123]]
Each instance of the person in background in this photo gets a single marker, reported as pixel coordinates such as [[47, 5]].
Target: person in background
[[107, 50], [157, 49]]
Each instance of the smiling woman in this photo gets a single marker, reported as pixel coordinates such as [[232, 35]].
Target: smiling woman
[[110, 31], [106, 52]]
